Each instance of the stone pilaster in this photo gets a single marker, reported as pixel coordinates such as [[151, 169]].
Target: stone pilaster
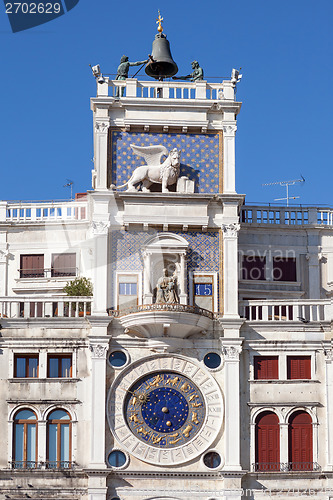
[[100, 232], [230, 268], [98, 345], [101, 152], [329, 405], [229, 132], [231, 349]]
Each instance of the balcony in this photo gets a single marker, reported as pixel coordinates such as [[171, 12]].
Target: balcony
[[171, 320], [32, 465], [43, 211], [175, 90], [286, 467], [41, 306], [49, 273], [286, 216], [300, 311]]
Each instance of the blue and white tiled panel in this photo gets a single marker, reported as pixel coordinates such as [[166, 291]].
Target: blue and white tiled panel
[[200, 156]]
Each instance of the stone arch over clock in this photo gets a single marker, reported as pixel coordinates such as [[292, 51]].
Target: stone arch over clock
[[165, 251], [165, 410]]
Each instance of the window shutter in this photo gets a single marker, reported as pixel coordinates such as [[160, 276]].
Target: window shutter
[[300, 441], [299, 367], [268, 442], [266, 367]]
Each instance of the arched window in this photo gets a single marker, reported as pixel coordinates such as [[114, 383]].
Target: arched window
[[267, 442], [25, 439], [300, 441], [59, 438]]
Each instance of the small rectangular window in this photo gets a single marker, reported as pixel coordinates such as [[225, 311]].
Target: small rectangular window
[[59, 366], [32, 266], [284, 269], [253, 267], [266, 367], [298, 367], [26, 366], [127, 291], [63, 264]]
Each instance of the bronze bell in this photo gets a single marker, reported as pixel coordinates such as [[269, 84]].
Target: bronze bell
[[161, 64]]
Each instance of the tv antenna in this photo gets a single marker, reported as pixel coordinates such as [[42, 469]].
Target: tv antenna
[[70, 185], [286, 184]]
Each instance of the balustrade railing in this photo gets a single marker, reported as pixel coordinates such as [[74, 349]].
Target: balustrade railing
[[289, 216], [303, 311], [31, 464], [286, 467], [44, 211], [41, 306], [162, 307], [166, 89]]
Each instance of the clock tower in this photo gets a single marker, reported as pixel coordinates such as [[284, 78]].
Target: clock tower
[[165, 371]]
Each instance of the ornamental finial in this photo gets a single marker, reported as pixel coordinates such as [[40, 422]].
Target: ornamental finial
[[159, 22]]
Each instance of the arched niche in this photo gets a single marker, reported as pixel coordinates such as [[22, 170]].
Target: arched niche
[[165, 251]]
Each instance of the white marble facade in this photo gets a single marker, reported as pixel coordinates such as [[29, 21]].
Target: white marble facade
[[122, 344]]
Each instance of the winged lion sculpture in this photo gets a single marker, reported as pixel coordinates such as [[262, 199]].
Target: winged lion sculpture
[[165, 173]]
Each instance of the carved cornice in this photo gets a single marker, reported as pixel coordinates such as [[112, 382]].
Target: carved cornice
[[230, 230], [101, 227]]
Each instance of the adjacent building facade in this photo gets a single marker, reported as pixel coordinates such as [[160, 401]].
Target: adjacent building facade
[[201, 366]]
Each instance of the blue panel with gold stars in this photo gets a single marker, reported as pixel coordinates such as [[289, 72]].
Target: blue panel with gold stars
[[164, 409], [201, 157]]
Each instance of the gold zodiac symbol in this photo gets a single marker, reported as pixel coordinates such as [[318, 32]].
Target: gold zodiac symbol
[[143, 431], [195, 417], [187, 430], [134, 418], [185, 387], [193, 397], [155, 382], [172, 381], [156, 439], [174, 441], [196, 405]]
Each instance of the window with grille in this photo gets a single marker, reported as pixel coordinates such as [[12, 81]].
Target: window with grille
[[63, 264], [32, 266]]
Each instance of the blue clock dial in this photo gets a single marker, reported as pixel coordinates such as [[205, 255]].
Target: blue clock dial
[[164, 409]]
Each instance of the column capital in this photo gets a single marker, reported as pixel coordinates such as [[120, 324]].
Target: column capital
[[100, 227], [231, 349], [328, 355], [230, 230], [98, 351], [4, 255], [102, 126], [229, 130]]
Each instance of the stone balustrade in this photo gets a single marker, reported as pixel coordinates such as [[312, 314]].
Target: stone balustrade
[[296, 216], [166, 89], [43, 211], [302, 311], [44, 306]]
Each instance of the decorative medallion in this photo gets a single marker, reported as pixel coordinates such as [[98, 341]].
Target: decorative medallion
[[165, 410]]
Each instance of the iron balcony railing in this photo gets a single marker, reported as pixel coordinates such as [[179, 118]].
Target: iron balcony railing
[[31, 464], [286, 467], [49, 272], [162, 307]]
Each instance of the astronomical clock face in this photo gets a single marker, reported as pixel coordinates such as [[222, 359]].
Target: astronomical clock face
[[165, 410]]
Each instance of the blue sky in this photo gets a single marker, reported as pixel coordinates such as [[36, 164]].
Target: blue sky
[[285, 125]]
